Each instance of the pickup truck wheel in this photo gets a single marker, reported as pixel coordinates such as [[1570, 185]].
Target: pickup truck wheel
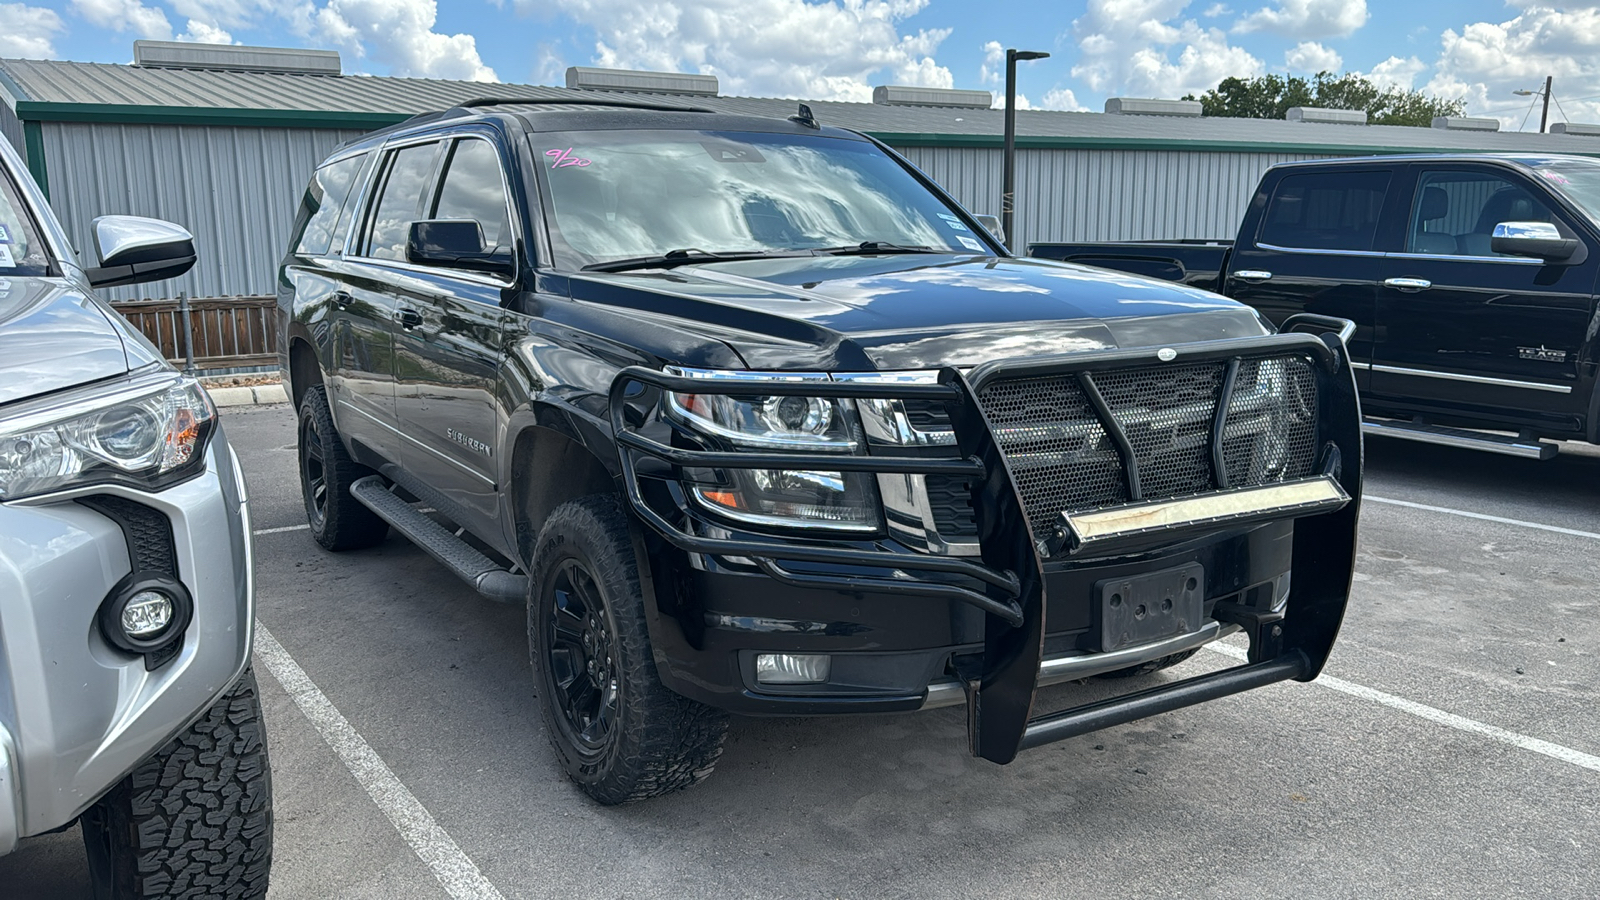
[[338, 520], [195, 820], [621, 734], [1154, 665]]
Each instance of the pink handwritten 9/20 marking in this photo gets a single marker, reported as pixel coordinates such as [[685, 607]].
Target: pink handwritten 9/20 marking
[[563, 158]]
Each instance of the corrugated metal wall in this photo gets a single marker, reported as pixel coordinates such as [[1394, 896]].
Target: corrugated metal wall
[[1106, 195], [235, 189]]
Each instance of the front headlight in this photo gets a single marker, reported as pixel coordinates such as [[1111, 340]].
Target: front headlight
[[150, 433], [816, 499]]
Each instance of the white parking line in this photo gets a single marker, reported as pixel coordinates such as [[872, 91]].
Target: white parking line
[[260, 531], [1481, 516], [454, 869], [1450, 720]]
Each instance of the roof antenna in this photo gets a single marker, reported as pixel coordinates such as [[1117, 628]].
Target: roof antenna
[[805, 117]]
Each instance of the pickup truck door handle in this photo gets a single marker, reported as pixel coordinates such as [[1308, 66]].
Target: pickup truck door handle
[[341, 299], [1254, 276], [1408, 284], [408, 318]]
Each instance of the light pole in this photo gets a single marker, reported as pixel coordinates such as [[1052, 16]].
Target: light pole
[[1544, 117], [1008, 179]]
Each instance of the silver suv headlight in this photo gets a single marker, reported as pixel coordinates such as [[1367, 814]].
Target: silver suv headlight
[[148, 432], [810, 499]]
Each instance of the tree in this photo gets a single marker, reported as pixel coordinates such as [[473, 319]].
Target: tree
[[1271, 96]]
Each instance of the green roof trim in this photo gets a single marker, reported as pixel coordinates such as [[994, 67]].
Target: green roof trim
[[36, 111], [33, 141], [1067, 142]]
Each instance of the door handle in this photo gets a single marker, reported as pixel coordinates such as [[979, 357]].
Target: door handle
[[1254, 276], [408, 318], [341, 299], [1408, 284]]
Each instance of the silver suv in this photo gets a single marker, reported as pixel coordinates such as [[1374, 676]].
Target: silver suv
[[126, 594]]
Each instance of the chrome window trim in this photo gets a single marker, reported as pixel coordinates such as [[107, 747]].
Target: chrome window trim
[[1448, 257], [1317, 252], [1474, 379]]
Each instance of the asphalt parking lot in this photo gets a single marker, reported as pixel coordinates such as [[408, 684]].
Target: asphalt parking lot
[[1453, 751]]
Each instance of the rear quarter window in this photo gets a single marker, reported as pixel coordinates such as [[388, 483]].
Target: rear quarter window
[[322, 209], [1334, 210]]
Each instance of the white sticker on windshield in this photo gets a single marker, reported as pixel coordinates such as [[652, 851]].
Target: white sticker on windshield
[[5, 234], [6, 262], [949, 217], [971, 244], [957, 225]]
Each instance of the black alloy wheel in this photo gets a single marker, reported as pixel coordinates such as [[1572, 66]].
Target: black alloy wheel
[[338, 521], [582, 659], [313, 473]]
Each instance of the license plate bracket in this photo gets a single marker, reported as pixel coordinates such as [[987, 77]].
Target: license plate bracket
[[1151, 607]]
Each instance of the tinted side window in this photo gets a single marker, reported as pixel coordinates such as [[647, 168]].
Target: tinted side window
[[1454, 213], [473, 189], [401, 200], [325, 198], [1325, 211]]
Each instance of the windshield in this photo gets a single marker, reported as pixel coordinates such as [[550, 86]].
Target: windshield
[[1578, 182], [618, 195], [22, 251]]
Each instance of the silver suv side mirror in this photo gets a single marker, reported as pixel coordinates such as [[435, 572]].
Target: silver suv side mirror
[[134, 249], [992, 225]]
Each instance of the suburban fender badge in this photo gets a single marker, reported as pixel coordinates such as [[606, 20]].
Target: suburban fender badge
[[1166, 354]]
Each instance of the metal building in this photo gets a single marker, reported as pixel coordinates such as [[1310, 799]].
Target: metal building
[[223, 139]]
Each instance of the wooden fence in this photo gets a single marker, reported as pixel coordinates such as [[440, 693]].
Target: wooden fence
[[226, 332]]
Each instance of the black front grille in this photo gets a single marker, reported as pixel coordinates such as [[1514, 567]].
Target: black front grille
[[147, 531], [1064, 458]]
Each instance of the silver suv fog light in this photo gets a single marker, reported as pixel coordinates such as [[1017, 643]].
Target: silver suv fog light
[[146, 614], [792, 668]]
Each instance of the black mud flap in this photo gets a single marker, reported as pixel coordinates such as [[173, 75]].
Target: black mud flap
[[1293, 644]]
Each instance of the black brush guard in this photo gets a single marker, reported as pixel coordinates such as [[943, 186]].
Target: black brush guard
[[1009, 583]]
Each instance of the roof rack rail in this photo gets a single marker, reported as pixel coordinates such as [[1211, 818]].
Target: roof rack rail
[[577, 101]]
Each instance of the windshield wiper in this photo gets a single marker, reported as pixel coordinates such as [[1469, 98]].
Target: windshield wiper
[[866, 247], [684, 257]]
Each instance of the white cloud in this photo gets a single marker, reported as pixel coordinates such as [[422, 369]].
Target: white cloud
[[1308, 18], [831, 50], [1062, 98], [1311, 57], [205, 33], [30, 31], [1484, 62], [147, 22], [1395, 72], [1217, 10], [994, 64], [1128, 46], [1000, 101], [399, 34]]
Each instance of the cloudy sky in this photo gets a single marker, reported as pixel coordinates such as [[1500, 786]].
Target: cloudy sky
[[1479, 50]]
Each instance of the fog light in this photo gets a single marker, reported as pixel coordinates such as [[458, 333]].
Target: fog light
[[792, 668], [146, 614]]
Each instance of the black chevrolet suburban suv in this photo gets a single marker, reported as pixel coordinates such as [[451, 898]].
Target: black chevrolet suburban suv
[[1471, 280], [754, 418]]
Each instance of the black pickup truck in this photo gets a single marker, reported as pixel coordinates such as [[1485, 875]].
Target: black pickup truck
[[754, 418], [1471, 280]]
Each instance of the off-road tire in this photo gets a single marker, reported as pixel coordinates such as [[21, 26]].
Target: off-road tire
[[1154, 665], [660, 741], [338, 521], [195, 820]]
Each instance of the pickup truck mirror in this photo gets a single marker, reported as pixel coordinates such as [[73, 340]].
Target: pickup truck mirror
[[134, 249], [456, 244], [1536, 239], [992, 224]]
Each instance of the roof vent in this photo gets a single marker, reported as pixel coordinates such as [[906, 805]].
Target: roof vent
[[585, 78], [1133, 106], [1326, 116], [1463, 123], [1575, 129], [908, 95], [231, 58]]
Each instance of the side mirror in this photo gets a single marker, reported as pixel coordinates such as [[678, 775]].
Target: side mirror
[[456, 244], [134, 249], [1536, 239], [992, 225]]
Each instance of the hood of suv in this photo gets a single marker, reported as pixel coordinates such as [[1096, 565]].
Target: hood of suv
[[919, 311], [53, 337]]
